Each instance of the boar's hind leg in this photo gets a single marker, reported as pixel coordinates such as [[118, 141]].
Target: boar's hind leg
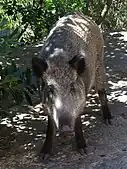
[[50, 135], [81, 144], [104, 105], [100, 88]]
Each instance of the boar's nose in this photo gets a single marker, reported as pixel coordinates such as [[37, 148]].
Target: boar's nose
[[66, 133]]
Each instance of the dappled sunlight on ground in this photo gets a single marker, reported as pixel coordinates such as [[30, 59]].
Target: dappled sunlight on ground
[[116, 65], [24, 131]]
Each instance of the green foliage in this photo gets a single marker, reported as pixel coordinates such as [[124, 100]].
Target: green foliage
[[32, 20], [117, 17], [15, 85]]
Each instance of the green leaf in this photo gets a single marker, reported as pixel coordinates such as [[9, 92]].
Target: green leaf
[[28, 98], [29, 89], [10, 12], [0, 70], [4, 94], [28, 76], [19, 96], [13, 67], [34, 87]]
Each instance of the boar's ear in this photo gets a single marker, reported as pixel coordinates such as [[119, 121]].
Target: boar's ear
[[39, 66], [78, 63]]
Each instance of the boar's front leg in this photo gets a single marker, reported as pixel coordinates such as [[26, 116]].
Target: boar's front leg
[[81, 144], [50, 135]]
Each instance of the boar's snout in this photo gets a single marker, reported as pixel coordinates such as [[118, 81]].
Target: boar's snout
[[65, 115], [66, 127], [66, 133]]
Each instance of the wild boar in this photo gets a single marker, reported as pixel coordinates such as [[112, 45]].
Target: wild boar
[[71, 60]]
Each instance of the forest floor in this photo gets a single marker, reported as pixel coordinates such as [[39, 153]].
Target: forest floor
[[22, 137]]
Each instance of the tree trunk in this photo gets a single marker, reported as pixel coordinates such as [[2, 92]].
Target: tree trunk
[[22, 32], [104, 12], [87, 7]]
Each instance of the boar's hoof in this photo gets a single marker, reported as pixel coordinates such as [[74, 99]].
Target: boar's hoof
[[82, 151], [108, 120], [81, 145], [45, 152], [45, 156]]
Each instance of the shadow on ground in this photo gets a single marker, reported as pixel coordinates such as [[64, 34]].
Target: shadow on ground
[[22, 136]]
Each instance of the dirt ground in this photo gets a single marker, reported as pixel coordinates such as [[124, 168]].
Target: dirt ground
[[22, 137]]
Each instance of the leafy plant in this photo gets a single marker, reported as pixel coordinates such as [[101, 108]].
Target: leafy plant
[[32, 20], [15, 84], [18, 83]]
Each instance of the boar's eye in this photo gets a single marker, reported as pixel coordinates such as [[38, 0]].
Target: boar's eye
[[72, 88]]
